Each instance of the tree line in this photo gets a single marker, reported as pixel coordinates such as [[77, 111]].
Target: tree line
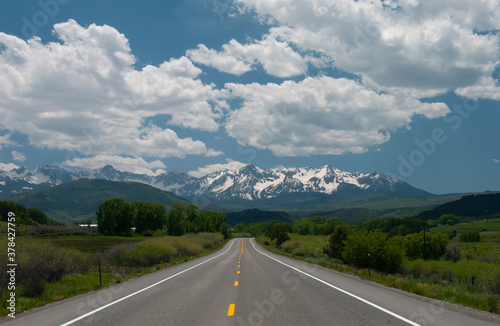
[[386, 240], [27, 216], [118, 217]]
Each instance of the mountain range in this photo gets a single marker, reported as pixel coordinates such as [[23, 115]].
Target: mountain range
[[248, 183]]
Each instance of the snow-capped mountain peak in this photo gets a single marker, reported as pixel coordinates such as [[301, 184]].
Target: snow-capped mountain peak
[[248, 182]]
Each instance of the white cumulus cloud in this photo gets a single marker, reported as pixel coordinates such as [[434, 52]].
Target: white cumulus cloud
[[84, 94], [277, 58], [128, 164], [321, 115], [418, 48]]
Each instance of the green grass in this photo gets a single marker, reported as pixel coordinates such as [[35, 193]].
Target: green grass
[[482, 226], [91, 244]]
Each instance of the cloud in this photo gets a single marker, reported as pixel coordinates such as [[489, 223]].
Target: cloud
[[496, 160], [415, 48], [276, 58], [207, 169], [321, 115], [128, 164], [5, 141], [20, 157], [84, 94], [487, 88], [218, 60], [8, 167]]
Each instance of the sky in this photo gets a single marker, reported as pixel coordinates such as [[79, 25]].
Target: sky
[[407, 88]]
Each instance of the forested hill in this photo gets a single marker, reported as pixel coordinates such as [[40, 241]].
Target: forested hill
[[481, 206], [256, 215], [78, 200]]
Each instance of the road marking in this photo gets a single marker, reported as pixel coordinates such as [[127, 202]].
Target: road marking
[[238, 266], [236, 283], [237, 272], [241, 246], [230, 311], [144, 289], [339, 289]]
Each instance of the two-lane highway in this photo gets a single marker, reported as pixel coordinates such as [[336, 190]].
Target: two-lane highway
[[243, 284]]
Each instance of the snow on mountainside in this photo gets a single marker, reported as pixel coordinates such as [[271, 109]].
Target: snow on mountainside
[[248, 183]]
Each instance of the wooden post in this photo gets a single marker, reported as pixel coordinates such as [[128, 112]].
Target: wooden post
[[369, 267], [100, 280]]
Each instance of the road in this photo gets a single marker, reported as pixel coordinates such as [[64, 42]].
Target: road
[[243, 284]]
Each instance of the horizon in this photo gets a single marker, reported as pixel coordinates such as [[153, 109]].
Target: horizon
[[409, 90]]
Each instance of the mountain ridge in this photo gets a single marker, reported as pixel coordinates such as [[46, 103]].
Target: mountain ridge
[[249, 183]]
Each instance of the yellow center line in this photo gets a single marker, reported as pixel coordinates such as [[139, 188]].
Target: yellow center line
[[241, 245], [236, 283], [237, 272], [230, 311], [238, 265]]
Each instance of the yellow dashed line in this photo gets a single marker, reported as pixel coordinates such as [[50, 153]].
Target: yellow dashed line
[[230, 311], [237, 272], [236, 283]]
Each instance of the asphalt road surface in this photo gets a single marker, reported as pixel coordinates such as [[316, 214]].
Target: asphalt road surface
[[243, 284]]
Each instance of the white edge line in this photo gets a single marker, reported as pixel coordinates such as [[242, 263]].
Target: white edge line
[[144, 289], [339, 289]]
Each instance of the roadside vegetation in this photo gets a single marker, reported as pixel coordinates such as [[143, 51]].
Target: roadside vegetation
[[459, 263], [55, 262], [450, 258]]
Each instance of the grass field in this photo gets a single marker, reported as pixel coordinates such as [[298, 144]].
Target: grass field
[[481, 226], [91, 244]]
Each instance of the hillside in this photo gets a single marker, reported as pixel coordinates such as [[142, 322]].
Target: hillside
[[480, 206], [78, 200], [256, 215]]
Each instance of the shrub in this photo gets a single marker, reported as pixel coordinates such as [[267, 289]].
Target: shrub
[[435, 245], [138, 255], [385, 255], [470, 236], [279, 232], [290, 245], [40, 262], [336, 242]]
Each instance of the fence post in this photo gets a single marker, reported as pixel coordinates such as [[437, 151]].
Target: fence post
[[369, 267], [100, 280]]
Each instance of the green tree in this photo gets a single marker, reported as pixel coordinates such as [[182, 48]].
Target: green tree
[[385, 254], [449, 219], [279, 232], [470, 236], [114, 217], [22, 216], [224, 229], [435, 245], [238, 228], [336, 241], [148, 216], [176, 221]]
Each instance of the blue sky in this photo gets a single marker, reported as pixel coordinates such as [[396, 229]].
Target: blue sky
[[407, 88]]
